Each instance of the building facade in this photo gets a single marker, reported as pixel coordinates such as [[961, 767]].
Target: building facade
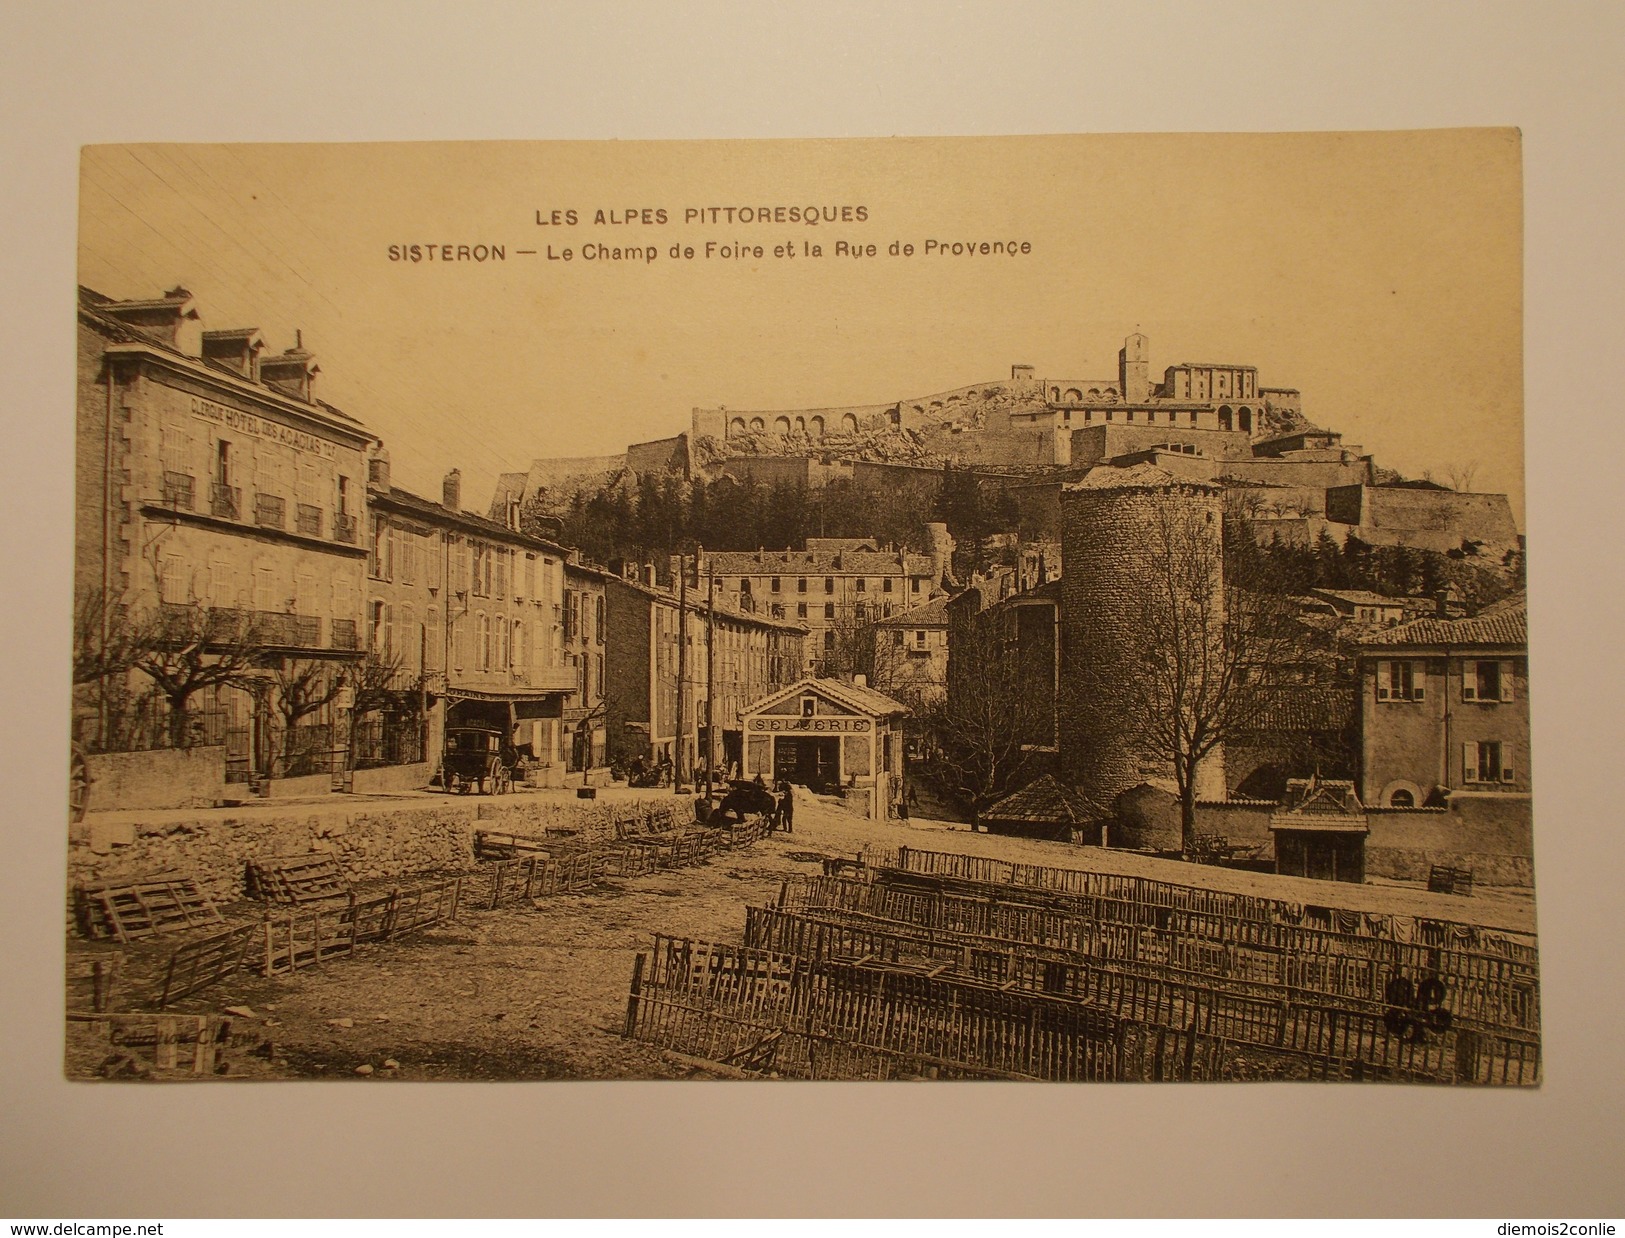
[[220, 509], [467, 615], [911, 655], [1444, 709], [656, 648], [834, 587], [583, 741]]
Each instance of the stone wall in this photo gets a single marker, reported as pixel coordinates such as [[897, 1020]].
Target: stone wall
[[398, 840], [1491, 834], [168, 778]]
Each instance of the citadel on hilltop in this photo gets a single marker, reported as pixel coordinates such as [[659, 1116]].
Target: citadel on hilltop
[[1027, 436]]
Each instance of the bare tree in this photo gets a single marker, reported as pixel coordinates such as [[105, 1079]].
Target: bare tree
[[186, 648], [303, 687], [377, 680], [105, 641], [1203, 650], [1461, 474], [982, 738]]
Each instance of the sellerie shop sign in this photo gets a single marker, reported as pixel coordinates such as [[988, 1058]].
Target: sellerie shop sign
[[260, 427], [810, 726]]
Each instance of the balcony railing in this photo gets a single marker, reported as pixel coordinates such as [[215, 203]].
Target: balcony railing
[[344, 528], [308, 520], [270, 511], [344, 634], [226, 502], [180, 490]]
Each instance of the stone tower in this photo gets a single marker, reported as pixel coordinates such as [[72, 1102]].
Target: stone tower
[[1117, 526], [1134, 369]]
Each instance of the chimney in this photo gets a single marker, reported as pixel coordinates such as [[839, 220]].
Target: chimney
[[1444, 604], [292, 372], [451, 491], [860, 680], [378, 468], [513, 513], [649, 575]]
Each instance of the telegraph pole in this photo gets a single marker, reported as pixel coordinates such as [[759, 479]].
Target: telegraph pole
[[682, 672], [710, 677]]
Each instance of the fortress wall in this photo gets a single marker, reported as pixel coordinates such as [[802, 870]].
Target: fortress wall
[[1092, 444], [1322, 474]]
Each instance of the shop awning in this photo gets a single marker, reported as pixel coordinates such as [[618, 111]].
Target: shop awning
[[526, 703]]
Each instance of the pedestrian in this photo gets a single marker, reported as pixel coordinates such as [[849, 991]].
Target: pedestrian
[[787, 807], [902, 809]]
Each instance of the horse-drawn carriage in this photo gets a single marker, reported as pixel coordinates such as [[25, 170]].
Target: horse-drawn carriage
[[477, 757]]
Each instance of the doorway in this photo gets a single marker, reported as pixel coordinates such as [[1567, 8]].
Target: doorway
[[809, 761]]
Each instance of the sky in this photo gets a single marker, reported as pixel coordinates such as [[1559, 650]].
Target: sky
[[1381, 274]]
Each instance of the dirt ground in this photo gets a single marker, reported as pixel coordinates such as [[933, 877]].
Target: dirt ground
[[539, 992]]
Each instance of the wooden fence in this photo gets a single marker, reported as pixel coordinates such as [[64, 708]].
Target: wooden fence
[[831, 1018], [1146, 892], [1498, 993], [309, 937], [1396, 1037]]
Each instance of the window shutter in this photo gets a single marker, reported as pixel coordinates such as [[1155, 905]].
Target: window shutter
[[1469, 762], [1506, 681], [1385, 672], [1469, 681], [1419, 680], [1508, 774]]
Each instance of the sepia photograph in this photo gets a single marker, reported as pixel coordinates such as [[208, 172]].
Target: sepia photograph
[[1020, 608]]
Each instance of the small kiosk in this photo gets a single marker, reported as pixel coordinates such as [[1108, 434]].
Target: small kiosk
[[1320, 831], [831, 736]]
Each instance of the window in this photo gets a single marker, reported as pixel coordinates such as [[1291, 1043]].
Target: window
[[885, 585], [777, 610], [863, 584], [598, 618], [172, 579], [1400, 681], [829, 584], [265, 589], [829, 610], [500, 583], [801, 584], [1486, 762], [482, 641], [807, 704], [499, 644], [829, 640], [1486, 681], [919, 639], [378, 565], [914, 585], [521, 657], [381, 633], [411, 639], [433, 648], [569, 615], [530, 577], [222, 591], [773, 584], [801, 610], [408, 561], [599, 687]]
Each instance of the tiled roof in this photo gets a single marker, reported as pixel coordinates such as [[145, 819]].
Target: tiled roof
[[1304, 707], [842, 562], [1043, 800], [1504, 627], [933, 614], [1360, 597], [431, 510]]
